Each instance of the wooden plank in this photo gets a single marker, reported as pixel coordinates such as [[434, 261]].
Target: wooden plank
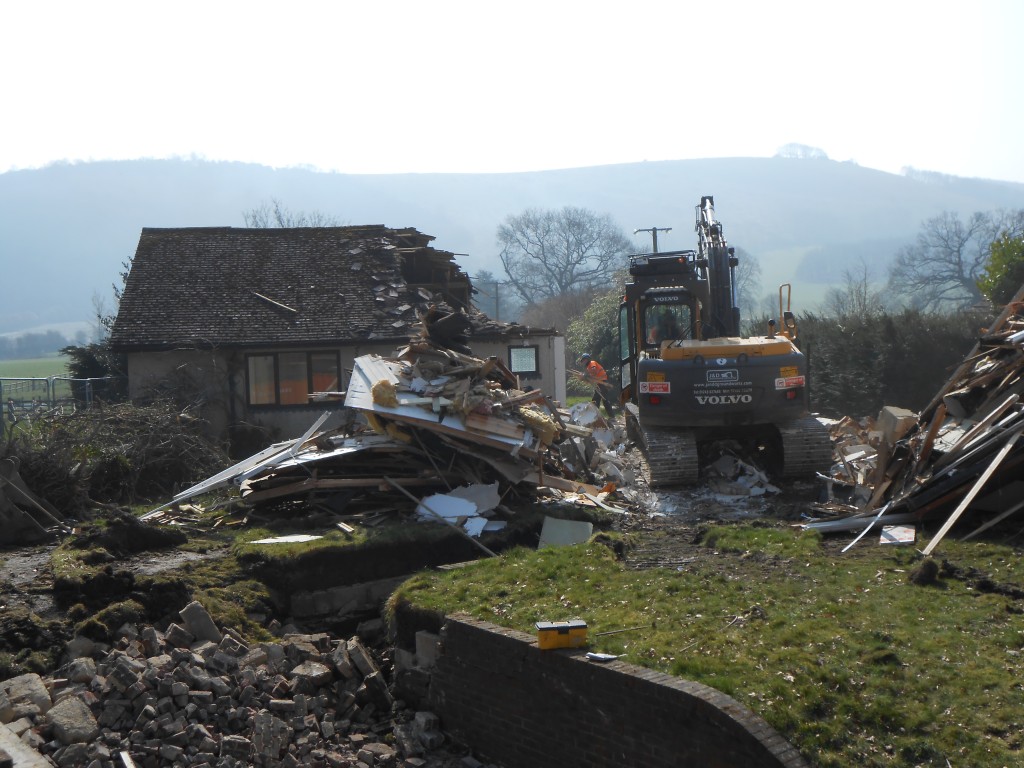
[[1004, 451], [968, 437], [495, 426], [1011, 308], [929, 438]]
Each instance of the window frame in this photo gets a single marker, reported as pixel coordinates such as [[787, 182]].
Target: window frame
[[536, 372], [276, 363]]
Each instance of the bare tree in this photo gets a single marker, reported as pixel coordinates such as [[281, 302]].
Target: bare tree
[[549, 254], [275, 214], [559, 311], [941, 270], [748, 282], [856, 297]]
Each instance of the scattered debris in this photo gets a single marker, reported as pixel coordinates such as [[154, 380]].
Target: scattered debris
[[729, 475], [961, 453], [457, 434]]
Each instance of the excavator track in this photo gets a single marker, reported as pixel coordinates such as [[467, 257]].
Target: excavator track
[[671, 454], [806, 447]]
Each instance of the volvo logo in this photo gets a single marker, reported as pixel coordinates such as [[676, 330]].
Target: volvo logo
[[724, 399]]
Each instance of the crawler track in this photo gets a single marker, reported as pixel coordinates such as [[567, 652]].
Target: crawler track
[[671, 454], [806, 447]]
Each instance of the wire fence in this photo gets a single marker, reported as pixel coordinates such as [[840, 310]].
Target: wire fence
[[25, 399]]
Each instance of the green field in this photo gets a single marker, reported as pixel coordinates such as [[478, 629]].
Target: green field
[[24, 380], [34, 367]]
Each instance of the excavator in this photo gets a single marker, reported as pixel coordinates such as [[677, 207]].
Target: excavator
[[690, 384]]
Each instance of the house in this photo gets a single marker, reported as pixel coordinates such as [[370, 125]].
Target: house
[[262, 325]]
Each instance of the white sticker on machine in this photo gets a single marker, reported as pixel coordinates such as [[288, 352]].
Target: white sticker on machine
[[789, 382]]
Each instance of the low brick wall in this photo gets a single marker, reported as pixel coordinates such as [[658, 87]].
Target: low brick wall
[[526, 708]]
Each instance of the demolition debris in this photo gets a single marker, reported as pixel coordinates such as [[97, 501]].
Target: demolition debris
[[455, 433], [962, 454]]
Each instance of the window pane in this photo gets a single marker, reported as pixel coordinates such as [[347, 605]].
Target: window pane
[[522, 359], [294, 386], [261, 380], [325, 372]]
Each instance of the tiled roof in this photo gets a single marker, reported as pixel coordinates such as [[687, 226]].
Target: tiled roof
[[224, 286]]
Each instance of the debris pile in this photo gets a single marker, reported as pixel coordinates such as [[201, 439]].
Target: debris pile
[[24, 516], [729, 475], [962, 452], [198, 695], [430, 421]]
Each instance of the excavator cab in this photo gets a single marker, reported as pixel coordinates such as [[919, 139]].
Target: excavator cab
[[667, 317]]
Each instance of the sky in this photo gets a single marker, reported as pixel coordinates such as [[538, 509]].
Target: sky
[[476, 87]]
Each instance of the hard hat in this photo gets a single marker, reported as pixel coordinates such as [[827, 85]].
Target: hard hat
[[585, 356]]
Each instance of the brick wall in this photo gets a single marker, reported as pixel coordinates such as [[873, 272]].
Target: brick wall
[[523, 707]]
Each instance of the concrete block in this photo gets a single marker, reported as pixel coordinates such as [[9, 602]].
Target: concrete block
[[894, 423], [428, 649]]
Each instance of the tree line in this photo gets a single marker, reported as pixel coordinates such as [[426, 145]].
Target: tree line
[[869, 345], [37, 344]]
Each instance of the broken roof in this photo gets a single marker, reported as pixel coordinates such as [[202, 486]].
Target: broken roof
[[227, 286]]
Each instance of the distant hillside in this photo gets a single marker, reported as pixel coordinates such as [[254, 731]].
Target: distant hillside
[[66, 230]]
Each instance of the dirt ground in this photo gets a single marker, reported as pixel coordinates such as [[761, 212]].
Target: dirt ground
[[664, 524], [667, 524]]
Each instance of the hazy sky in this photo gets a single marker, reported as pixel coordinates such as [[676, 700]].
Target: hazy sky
[[433, 85]]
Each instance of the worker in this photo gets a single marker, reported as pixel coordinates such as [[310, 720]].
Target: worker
[[596, 375], [666, 329]]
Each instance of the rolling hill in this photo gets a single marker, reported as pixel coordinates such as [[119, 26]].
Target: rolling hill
[[66, 230]]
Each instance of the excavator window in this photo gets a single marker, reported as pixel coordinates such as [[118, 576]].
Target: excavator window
[[666, 322]]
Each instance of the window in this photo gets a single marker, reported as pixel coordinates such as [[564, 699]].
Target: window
[[288, 378], [524, 362], [667, 322], [261, 380]]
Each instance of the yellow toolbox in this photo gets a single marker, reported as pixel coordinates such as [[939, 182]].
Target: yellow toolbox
[[561, 634]]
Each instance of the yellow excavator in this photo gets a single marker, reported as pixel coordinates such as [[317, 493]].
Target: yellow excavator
[[690, 381]]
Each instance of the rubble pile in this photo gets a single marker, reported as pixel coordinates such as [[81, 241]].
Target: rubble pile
[[962, 452], [429, 420], [197, 695]]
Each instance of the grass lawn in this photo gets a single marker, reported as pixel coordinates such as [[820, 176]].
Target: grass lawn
[[852, 662], [34, 367]]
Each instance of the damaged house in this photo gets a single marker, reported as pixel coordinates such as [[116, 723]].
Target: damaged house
[[262, 325]]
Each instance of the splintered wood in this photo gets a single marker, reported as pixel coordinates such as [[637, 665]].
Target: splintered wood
[[437, 420], [962, 454]]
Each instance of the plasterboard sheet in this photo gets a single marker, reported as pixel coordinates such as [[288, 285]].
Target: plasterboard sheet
[[484, 497], [898, 534], [560, 533], [443, 505], [474, 526]]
